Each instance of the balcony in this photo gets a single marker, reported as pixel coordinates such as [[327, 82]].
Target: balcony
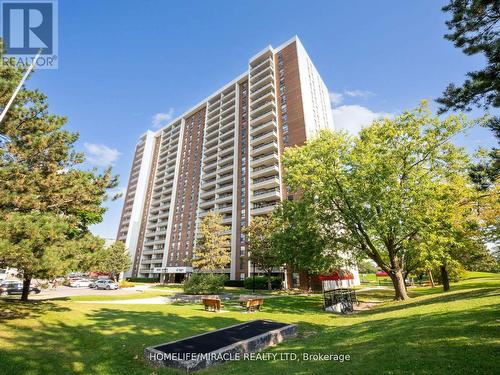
[[266, 96], [213, 135], [226, 197], [225, 168], [264, 137], [262, 208], [212, 149], [224, 188], [210, 159], [265, 183], [227, 97], [271, 158], [263, 82], [207, 205], [264, 148], [261, 65], [256, 77], [265, 107], [209, 172], [210, 128], [225, 177], [207, 194], [228, 143], [258, 92], [266, 194], [266, 126], [208, 183], [230, 118], [225, 157], [227, 128], [227, 111], [213, 109], [224, 208], [264, 117]]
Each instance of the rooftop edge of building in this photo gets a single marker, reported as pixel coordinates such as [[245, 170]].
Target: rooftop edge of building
[[201, 103]]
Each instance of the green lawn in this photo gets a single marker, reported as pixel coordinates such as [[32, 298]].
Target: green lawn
[[434, 333]]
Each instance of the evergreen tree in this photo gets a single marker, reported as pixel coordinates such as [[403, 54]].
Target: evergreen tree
[[212, 249], [40, 178]]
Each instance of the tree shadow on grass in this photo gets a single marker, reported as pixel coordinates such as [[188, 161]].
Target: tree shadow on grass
[[434, 298], [293, 305], [459, 342], [103, 341], [14, 308]]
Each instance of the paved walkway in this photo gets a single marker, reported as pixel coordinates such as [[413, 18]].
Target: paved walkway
[[66, 291], [137, 301]]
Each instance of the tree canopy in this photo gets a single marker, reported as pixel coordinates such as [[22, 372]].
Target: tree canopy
[[259, 245], [474, 28], [382, 193]]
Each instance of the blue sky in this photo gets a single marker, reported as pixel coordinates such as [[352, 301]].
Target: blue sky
[[126, 65]]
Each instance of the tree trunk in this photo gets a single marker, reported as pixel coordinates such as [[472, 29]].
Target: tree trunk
[[444, 278], [289, 278], [399, 285], [26, 288], [269, 286], [431, 279]]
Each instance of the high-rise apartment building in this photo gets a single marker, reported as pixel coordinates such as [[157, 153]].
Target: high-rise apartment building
[[222, 155]]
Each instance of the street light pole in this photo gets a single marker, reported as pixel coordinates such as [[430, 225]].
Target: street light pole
[[253, 263], [16, 91]]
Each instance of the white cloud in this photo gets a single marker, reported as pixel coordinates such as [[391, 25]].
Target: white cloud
[[161, 119], [336, 98], [358, 93], [101, 155], [354, 117]]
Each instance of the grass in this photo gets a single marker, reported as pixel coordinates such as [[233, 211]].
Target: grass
[[455, 332]]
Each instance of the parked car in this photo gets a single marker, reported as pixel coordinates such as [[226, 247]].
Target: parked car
[[14, 287], [106, 284], [80, 283], [92, 283]]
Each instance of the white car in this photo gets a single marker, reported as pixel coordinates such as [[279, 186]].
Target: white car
[[106, 284], [80, 283]]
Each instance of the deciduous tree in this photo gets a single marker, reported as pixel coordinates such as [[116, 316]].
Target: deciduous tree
[[259, 245], [383, 191], [301, 238], [113, 260]]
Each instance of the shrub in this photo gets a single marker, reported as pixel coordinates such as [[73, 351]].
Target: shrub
[[261, 283], [126, 284], [143, 279], [235, 283], [204, 283]]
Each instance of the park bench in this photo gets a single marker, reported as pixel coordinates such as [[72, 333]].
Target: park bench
[[243, 300], [211, 303], [254, 303]]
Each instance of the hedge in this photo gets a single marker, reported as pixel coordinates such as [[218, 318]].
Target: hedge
[[261, 283], [204, 283], [236, 283]]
